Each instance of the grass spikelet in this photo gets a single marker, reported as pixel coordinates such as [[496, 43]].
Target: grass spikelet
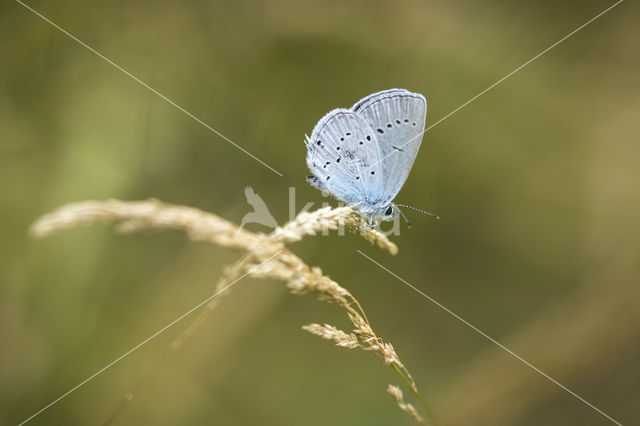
[[330, 332], [396, 394]]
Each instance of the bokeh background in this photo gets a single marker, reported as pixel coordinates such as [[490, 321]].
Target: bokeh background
[[536, 183]]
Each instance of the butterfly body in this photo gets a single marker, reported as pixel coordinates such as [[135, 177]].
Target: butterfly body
[[363, 155]]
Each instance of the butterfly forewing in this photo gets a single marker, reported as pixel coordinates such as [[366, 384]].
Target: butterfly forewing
[[397, 118], [345, 157]]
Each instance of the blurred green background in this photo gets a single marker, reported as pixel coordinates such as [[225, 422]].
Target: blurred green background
[[536, 183]]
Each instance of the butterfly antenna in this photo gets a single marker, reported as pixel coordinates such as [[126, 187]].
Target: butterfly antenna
[[419, 210]]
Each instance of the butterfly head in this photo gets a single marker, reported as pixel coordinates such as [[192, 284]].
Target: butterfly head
[[380, 213], [390, 213]]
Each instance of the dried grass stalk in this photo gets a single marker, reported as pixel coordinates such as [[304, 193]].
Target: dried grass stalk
[[300, 278], [133, 216], [327, 218]]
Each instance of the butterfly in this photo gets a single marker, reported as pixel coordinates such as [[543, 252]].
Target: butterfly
[[363, 155]]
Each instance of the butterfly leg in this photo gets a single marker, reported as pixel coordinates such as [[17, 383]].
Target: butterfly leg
[[370, 225]]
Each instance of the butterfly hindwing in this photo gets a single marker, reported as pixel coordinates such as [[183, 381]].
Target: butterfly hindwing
[[344, 156]]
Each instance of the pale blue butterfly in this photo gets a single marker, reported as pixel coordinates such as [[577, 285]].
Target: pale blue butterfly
[[363, 155]]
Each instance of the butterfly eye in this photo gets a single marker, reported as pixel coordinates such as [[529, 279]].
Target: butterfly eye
[[389, 211]]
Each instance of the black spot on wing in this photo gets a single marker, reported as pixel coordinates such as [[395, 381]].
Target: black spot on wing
[[314, 181]]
